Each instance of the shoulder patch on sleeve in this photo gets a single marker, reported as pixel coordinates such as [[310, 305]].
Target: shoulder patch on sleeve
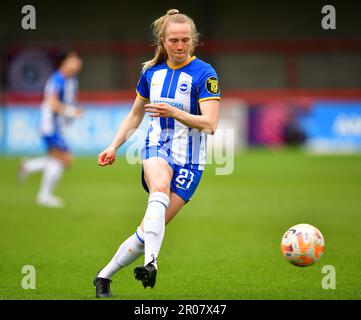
[[212, 85]]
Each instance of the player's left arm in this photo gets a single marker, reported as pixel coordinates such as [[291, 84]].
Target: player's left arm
[[206, 121], [57, 106]]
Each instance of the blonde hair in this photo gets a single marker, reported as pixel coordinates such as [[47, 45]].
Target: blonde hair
[[159, 28]]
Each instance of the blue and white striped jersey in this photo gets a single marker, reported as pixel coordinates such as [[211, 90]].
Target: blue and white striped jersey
[[66, 89], [183, 86]]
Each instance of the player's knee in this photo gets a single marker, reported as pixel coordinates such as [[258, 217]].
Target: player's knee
[[160, 186], [67, 160], [64, 157]]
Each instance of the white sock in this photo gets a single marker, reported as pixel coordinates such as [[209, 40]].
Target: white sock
[[129, 250], [33, 165], [154, 226], [51, 175]]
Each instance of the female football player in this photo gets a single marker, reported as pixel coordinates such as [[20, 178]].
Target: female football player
[[181, 95], [57, 109]]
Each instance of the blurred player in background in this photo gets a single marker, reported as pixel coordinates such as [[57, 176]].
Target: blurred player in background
[[181, 94], [57, 110]]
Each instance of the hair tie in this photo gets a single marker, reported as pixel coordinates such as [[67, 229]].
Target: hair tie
[[172, 12]]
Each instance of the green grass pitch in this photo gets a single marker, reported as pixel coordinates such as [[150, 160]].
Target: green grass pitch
[[225, 244]]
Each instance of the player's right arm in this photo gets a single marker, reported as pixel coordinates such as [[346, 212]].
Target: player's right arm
[[125, 131]]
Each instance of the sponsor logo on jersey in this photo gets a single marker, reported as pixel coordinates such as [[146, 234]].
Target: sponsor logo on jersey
[[172, 103]]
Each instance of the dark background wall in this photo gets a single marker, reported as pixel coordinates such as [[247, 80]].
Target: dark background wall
[[263, 22]]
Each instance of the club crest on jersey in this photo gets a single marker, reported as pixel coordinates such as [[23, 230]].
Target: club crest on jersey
[[184, 87], [212, 85]]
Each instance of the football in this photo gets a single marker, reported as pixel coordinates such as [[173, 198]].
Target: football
[[302, 245]]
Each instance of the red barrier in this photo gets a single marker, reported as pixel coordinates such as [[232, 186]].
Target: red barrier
[[250, 96]]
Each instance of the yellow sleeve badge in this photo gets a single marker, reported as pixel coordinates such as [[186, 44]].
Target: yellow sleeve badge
[[212, 85]]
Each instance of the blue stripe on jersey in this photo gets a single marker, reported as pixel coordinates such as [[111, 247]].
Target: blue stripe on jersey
[[198, 109], [174, 84], [147, 139], [61, 94], [166, 83], [170, 133], [193, 140], [194, 101], [163, 133], [190, 148]]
